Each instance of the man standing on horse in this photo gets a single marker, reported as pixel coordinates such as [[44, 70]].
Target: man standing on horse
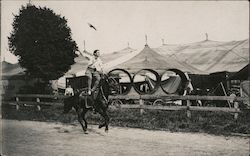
[[94, 69]]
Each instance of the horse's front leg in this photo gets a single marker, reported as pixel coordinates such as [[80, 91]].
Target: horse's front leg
[[106, 119], [80, 119]]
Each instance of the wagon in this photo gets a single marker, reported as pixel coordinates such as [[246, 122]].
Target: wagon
[[149, 82]]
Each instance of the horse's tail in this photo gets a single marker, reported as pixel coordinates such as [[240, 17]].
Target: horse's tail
[[68, 103]]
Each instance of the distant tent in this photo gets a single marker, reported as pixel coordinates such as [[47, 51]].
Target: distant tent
[[117, 54], [79, 67], [188, 68], [150, 59], [210, 56], [6, 65], [234, 58], [10, 70], [13, 78]]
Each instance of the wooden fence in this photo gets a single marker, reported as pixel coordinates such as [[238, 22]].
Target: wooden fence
[[37, 101], [235, 100]]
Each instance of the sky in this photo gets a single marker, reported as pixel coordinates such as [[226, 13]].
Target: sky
[[120, 23]]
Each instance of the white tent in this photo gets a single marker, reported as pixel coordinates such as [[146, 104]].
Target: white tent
[[210, 56]]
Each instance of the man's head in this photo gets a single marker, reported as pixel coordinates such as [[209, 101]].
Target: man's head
[[96, 53]]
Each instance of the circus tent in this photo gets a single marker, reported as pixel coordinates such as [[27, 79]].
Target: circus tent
[[148, 58], [9, 69], [117, 54], [210, 56]]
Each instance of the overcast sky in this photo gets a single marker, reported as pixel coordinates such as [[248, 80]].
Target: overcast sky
[[120, 22]]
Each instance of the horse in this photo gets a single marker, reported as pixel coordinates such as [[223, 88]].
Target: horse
[[98, 101]]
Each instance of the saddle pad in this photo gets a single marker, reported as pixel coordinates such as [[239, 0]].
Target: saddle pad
[[84, 92]]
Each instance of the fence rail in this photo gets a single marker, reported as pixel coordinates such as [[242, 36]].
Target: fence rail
[[40, 96], [180, 97], [36, 100], [235, 109], [235, 100], [175, 108]]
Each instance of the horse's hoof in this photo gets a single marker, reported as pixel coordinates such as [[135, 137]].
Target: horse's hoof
[[85, 132], [100, 126], [106, 130], [66, 131]]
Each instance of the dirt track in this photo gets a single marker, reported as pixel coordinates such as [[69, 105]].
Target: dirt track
[[27, 138]]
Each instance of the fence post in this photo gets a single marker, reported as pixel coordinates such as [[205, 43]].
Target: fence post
[[37, 105], [236, 107], [141, 103], [17, 103], [188, 109]]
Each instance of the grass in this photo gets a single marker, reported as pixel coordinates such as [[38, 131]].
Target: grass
[[175, 121]]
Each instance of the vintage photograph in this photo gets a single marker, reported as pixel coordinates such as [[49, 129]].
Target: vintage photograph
[[124, 78]]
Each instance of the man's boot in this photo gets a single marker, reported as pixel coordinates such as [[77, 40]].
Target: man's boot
[[89, 92]]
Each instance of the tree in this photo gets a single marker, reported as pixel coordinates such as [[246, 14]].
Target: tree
[[42, 41]]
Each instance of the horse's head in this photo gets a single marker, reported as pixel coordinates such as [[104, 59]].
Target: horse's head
[[110, 85], [114, 85]]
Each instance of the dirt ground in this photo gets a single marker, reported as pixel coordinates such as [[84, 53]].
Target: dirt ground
[[29, 138]]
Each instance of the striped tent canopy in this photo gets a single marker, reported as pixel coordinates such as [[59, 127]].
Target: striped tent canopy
[[150, 59], [117, 54]]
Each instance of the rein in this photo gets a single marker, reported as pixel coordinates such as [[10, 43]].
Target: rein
[[106, 100]]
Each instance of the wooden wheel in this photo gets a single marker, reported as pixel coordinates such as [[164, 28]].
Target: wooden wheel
[[116, 104], [123, 80]]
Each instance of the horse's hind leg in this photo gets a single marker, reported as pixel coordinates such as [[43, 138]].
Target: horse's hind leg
[[106, 121], [106, 118], [80, 120], [84, 119]]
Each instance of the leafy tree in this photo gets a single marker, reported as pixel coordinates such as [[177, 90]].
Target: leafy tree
[[42, 41]]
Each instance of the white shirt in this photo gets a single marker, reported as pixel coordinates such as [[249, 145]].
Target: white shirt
[[96, 63], [93, 62], [69, 91]]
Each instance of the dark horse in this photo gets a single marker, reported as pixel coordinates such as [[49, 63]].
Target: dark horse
[[99, 101]]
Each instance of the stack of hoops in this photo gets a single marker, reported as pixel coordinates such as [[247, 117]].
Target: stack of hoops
[[149, 81]]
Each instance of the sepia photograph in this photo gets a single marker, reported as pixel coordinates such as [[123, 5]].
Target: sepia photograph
[[124, 78]]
